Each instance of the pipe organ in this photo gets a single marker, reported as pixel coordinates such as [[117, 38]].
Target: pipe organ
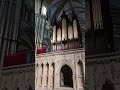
[[66, 34], [98, 35]]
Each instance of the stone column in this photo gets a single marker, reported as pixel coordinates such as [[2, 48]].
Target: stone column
[[40, 77], [56, 80], [50, 77], [42, 30], [74, 82], [79, 75], [44, 79]]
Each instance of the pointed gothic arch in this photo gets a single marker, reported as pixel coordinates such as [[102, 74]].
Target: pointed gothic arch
[[66, 78]]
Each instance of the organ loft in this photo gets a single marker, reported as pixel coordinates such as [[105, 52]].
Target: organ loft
[[66, 34], [64, 67]]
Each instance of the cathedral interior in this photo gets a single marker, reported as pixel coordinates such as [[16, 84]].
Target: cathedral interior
[[59, 44]]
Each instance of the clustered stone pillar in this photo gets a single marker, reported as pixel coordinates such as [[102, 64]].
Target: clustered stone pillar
[[79, 76], [44, 79], [50, 79], [46, 76], [40, 78]]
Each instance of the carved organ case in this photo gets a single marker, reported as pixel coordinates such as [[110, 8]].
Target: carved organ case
[[66, 34]]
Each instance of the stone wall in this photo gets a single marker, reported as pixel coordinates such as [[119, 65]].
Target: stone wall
[[48, 68], [103, 69], [21, 77]]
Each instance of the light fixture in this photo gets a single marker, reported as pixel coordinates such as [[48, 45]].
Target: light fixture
[[44, 10]]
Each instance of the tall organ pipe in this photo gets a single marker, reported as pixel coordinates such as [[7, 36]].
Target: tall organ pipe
[[75, 29], [64, 29], [70, 32], [54, 34], [59, 34]]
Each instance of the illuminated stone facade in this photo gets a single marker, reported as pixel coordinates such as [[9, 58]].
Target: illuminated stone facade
[[48, 70]]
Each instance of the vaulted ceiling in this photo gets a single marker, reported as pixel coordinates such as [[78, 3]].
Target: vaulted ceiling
[[55, 9]]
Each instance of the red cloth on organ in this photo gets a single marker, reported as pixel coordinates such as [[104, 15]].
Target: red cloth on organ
[[43, 50], [15, 59]]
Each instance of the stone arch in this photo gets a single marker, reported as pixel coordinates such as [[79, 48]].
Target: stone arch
[[108, 85], [66, 63], [66, 79]]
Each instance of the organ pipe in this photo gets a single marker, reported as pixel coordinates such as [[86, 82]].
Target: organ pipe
[[70, 32], [64, 29], [54, 33], [87, 15], [75, 29], [97, 14], [59, 34]]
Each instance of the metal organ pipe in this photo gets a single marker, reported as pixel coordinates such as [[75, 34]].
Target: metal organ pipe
[[95, 14], [54, 33], [98, 14], [70, 32], [64, 29], [75, 29], [59, 34], [96, 7], [100, 11]]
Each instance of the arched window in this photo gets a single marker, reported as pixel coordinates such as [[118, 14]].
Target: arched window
[[66, 79], [108, 86]]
